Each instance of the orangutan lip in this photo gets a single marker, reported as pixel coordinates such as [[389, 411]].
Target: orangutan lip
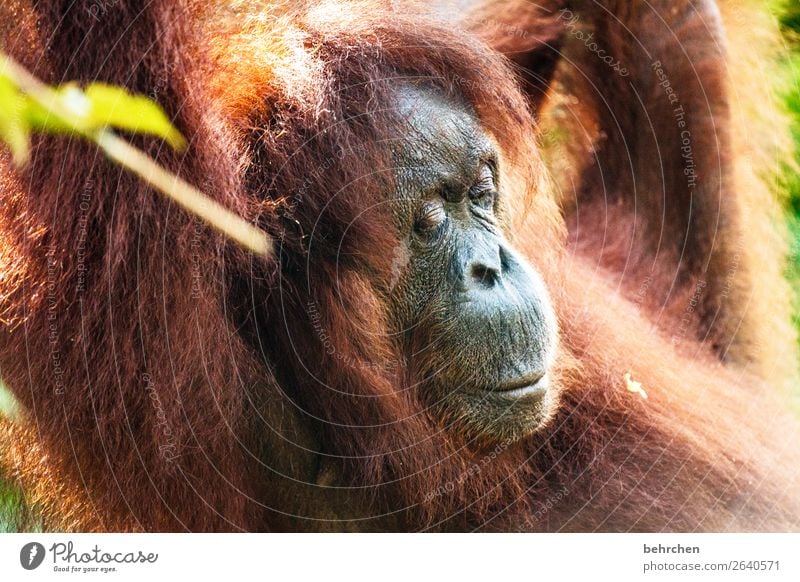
[[527, 384]]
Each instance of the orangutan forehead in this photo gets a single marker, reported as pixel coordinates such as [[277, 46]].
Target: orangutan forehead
[[441, 142]]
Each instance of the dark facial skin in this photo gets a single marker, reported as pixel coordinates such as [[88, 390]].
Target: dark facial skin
[[474, 317]]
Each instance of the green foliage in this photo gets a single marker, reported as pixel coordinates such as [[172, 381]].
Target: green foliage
[[68, 109], [9, 407], [27, 105], [10, 503], [790, 16], [10, 497], [12, 111], [115, 107], [788, 179]]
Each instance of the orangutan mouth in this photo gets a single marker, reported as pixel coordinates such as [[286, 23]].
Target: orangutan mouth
[[533, 383]]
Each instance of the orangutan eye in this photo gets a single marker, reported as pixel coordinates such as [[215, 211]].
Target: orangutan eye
[[484, 191], [431, 216]]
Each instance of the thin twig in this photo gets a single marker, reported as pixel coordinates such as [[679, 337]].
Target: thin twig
[[183, 193], [135, 160]]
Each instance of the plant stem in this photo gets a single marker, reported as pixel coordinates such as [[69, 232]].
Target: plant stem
[[183, 193], [135, 160]]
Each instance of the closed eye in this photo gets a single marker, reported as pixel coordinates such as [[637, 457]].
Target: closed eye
[[431, 219], [484, 191]]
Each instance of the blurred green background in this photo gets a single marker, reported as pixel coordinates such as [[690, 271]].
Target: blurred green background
[[789, 179]]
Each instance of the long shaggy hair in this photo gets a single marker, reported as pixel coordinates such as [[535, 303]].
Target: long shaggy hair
[[171, 381]]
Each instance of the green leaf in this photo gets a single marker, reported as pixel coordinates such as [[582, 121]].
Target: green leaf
[[9, 407], [68, 109], [14, 129], [115, 107], [73, 99]]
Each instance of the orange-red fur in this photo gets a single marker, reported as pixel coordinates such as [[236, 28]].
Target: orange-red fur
[[161, 324]]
